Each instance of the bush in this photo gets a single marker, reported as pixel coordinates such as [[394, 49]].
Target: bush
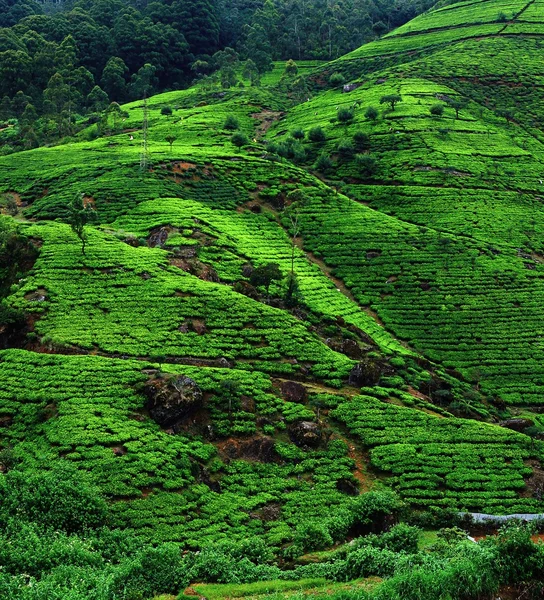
[[367, 164], [312, 535], [437, 110], [361, 139], [345, 115], [60, 499], [367, 561], [323, 163], [166, 110], [298, 133], [345, 147], [371, 113], [336, 79], [240, 139], [151, 572], [316, 134], [231, 122]]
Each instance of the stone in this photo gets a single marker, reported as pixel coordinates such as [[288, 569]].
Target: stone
[[158, 238], [305, 433], [171, 399], [517, 424], [293, 391]]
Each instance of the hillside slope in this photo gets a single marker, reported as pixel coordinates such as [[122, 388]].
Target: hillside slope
[[207, 403]]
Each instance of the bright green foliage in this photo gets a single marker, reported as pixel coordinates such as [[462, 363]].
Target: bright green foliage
[[448, 462]]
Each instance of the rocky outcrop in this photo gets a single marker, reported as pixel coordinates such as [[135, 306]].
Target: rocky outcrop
[[306, 434], [170, 399], [517, 424], [293, 391]]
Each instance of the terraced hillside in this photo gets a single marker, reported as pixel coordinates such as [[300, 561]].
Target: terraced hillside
[[282, 304]]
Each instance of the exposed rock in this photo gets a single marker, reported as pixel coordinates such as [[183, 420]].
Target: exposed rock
[[517, 424], [208, 274], [205, 478], [170, 399], [293, 391], [245, 288], [186, 251], [223, 363], [198, 326], [247, 404], [260, 448], [271, 512], [349, 87], [347, 487], [348, 347], [247, 270], [158, 238], [365, 373], [305, 433]]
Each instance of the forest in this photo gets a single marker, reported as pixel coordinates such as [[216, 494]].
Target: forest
[[61, 60]]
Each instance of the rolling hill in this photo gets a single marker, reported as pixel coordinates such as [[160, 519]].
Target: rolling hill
[[401, 347]]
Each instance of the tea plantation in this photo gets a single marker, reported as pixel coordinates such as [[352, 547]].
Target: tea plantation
[[265, 340]]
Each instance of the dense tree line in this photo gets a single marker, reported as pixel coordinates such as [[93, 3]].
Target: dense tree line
[[62, 58]]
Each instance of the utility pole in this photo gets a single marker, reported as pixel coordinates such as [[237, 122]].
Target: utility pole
[[144, 154]]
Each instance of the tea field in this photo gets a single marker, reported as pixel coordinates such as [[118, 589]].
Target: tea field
[[298, 313]]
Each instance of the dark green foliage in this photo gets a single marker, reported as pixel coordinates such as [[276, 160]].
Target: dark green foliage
[[336, 79], [264, 275], [323, 163], [239, 139], [391, 99], [346, 148], [80, 214], [316, 134], [59, 499], [437, 110], [298, 134], [345, 115], [366, 165], [371, 113], [166, 111], [362, 140], [231, 122]]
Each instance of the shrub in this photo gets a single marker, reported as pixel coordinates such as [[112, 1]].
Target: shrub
[[240, 139], [153, 571], [316, 134], [323, 163], [345, 147], [361, 139], [345, 115], [312, 535], [60, 499], [368, 561], [367, 164], [336, 79], [371, 113], [298, 133], [166, 110], [231, 122], [437, 110]]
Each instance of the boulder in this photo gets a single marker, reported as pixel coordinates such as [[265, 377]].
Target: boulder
[[365, 373], [293, 391], [517, 424], [171, 399], [158, 238], [349, 87], [305, 433]]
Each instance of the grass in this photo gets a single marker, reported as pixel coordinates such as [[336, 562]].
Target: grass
[[316, 588]]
